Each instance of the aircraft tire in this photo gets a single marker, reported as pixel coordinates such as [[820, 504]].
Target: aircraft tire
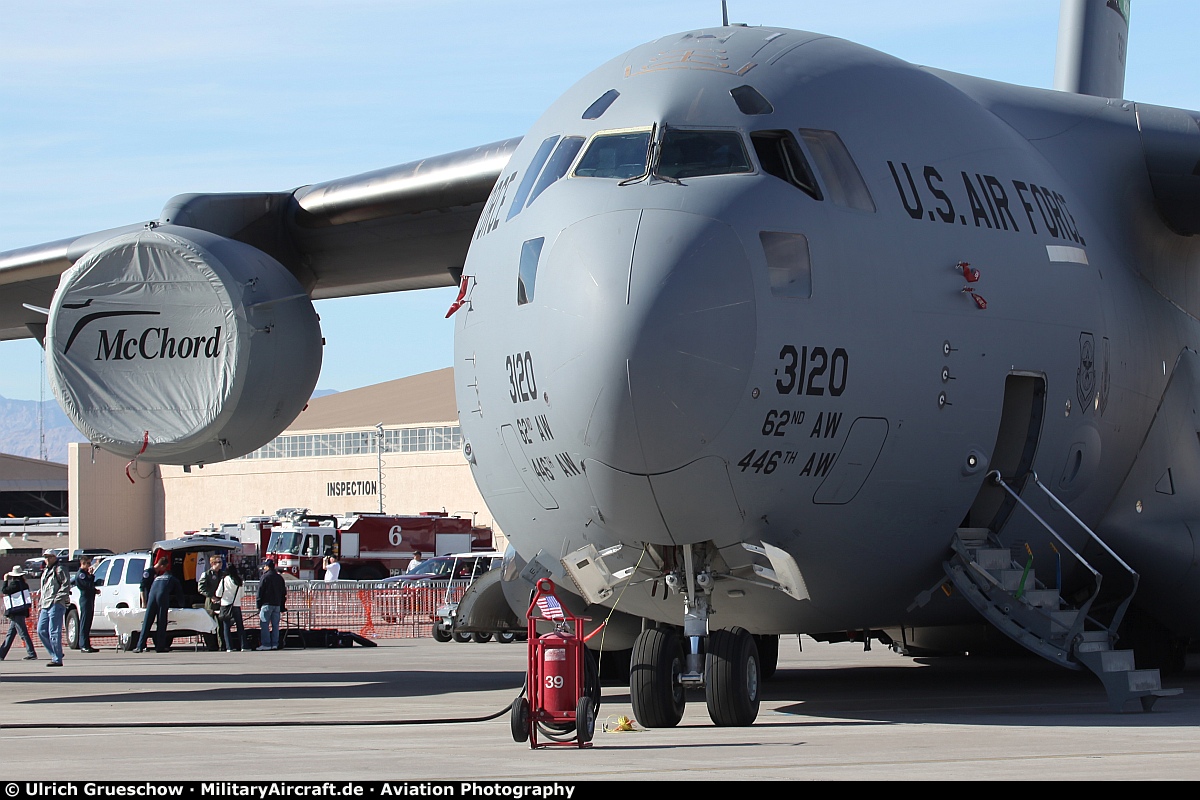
[[506, 637], [732, 678], [768, 654], [440, 634], [481, 638], [657, 695], [462, 638]]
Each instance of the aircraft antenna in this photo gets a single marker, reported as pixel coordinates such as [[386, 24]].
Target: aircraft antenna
[[724, 13]]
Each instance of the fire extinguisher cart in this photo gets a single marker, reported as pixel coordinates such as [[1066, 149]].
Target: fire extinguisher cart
[[557, 703]]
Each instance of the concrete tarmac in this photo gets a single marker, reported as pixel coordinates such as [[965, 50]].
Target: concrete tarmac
[[833, 712]]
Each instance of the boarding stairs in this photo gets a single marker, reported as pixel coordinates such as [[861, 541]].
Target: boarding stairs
[[1004, 588]]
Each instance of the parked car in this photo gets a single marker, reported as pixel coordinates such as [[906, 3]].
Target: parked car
[[446, 573], [94, 552], [34, 567], [442, 570], [119, 579]]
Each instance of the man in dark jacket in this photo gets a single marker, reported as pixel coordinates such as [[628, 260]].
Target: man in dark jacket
[[17, 603], [85, 582], [165, 592], [272, 594]]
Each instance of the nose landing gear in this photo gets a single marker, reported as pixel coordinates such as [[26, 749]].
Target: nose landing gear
[[731, 680], [725, 663]]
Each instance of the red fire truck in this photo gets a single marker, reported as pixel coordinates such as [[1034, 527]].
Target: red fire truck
[[370, 547]]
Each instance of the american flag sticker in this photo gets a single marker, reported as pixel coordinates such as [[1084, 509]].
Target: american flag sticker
[[550, 607]]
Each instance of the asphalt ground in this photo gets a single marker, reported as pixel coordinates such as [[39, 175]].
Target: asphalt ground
[[833, 712]]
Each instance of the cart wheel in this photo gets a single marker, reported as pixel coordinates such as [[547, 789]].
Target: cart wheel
[[462, 638], [440, 634], [585, 720], [518, 720], [481, 638]]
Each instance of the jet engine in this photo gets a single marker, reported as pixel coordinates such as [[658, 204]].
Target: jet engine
[[178, 346]]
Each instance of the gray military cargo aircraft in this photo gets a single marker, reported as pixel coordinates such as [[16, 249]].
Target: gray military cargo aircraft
[[759, 332]]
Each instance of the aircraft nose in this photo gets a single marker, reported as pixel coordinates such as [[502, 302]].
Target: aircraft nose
[[664, 305]]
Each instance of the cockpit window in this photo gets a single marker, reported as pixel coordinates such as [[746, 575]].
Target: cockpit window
[[615, 155], [597, 109], [779, 154], [531, 253], [558, 165], [837, 169], [535, 167], [689, 154]]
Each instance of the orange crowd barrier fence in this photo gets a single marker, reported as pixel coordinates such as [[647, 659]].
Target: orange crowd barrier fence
[[372, 610]]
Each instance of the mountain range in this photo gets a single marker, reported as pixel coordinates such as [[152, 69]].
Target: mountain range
[[20, 434]]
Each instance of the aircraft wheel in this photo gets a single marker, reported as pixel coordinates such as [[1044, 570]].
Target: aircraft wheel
[[731, 678], [462, 638], [440, 634], [654, 688], [768, 654], [518, 720], [72, 627], [585, 719], [506, 637], [481, 638]]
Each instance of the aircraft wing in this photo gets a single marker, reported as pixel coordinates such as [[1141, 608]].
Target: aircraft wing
[[403, 227]]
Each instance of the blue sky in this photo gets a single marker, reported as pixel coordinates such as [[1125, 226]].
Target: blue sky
[[108, 109]]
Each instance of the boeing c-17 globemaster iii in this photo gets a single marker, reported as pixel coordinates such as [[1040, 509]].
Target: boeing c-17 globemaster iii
[[759, 331]]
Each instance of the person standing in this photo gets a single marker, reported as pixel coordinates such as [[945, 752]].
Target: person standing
[[85, 582], [55, 597], [17, 603], [333, 569], [416, 561], [272, 594], [207, 585], [230, 594], [165, 592]]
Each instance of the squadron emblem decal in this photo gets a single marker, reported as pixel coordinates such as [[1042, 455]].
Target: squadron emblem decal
[[1085, 376]]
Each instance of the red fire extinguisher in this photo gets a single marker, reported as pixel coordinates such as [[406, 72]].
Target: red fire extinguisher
[[559, 690], [557, 702]]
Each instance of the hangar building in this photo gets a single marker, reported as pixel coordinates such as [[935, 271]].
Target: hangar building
[[394, 446]]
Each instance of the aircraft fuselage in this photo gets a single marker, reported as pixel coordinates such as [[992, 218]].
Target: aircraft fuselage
[[783, 344]]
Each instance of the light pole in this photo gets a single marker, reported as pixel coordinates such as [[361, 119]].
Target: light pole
[[379, 464]]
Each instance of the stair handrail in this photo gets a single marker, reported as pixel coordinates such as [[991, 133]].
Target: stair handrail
[[1077, 626], [998, 479], [1119, 615]]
